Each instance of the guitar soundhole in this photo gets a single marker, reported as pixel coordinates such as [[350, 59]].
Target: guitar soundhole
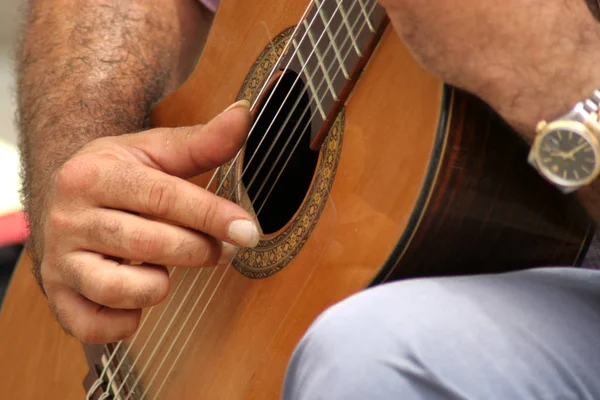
[[278, 161]]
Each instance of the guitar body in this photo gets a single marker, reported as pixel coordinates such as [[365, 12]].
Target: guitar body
[[413, 179]]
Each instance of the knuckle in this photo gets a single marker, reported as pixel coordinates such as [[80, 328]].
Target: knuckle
[[59, 221], [161, 198], [186, 250], [143, 298], [205, 215], [206, 256], [146, 244], [76, 175], [151, 294], [209, 215], [105, 230], [111, 226]]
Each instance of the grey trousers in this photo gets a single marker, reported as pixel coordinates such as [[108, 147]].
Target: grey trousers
[[524, 335]]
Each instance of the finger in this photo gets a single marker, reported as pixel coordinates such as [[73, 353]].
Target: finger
[[123, 235], [147, 191], [90, 322], [191, 150], [112, 284]]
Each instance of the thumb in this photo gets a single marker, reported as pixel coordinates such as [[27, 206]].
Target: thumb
[[190, 150]]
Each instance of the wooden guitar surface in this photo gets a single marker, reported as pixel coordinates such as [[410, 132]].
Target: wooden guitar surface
[[403, 185]]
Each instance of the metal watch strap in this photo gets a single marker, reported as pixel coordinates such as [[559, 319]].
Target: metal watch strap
[[592, 104]]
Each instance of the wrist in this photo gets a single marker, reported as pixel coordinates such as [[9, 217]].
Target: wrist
[[550, 85]]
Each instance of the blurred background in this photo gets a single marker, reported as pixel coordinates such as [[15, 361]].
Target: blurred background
[[12, 229]]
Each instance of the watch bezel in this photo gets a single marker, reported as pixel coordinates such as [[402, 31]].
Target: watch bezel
[[579, 128]]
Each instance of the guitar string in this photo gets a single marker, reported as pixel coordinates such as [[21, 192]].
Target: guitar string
[[297, 51], [296, 103], [119, 344], [99, 381], [195, 305], [112, 353], [258, 97], [184, 344], [176, 314], [106, 395], [275, 88], [215, 290], [312, 115], [304, 112], [156, 347], [294, 107], [288, 140]]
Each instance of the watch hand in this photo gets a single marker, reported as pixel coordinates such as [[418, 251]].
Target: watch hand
[[575, 150], [561, 154]]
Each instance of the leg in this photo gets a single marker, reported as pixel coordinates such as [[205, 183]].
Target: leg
[[525, 335]]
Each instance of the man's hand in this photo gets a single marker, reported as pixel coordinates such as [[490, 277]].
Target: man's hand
[[94, 216], [529, 60]]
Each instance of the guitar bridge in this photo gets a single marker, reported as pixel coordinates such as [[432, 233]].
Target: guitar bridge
[[110, 379]]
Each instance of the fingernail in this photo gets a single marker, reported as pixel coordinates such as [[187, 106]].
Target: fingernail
[[228, 252], [244, 233], [238, 104]]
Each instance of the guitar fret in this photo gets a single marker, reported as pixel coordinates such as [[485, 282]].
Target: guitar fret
[[367, 17], [320, 61], [348, 27], [327, 49], [332, 39], [309, 81]]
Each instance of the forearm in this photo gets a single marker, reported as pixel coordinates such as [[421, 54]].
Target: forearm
[[529, 61], [88, 69], [580, 77]]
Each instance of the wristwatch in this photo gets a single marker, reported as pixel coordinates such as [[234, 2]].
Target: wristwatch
[[566, 150]]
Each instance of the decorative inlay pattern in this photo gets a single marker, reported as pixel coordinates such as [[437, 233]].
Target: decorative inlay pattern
[[275, 252]]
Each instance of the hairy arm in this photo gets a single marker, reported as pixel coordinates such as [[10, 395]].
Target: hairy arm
[[93, 68], [529, 60], [101, 189]]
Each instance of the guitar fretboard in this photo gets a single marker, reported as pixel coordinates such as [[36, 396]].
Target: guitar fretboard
[[328, 47]]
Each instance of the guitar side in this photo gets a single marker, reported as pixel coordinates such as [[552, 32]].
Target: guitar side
[[39, 360]]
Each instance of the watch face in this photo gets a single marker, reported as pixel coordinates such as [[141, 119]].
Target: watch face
[[567, 156]]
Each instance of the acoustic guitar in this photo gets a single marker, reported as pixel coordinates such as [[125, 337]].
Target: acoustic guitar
[[360, 167]]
